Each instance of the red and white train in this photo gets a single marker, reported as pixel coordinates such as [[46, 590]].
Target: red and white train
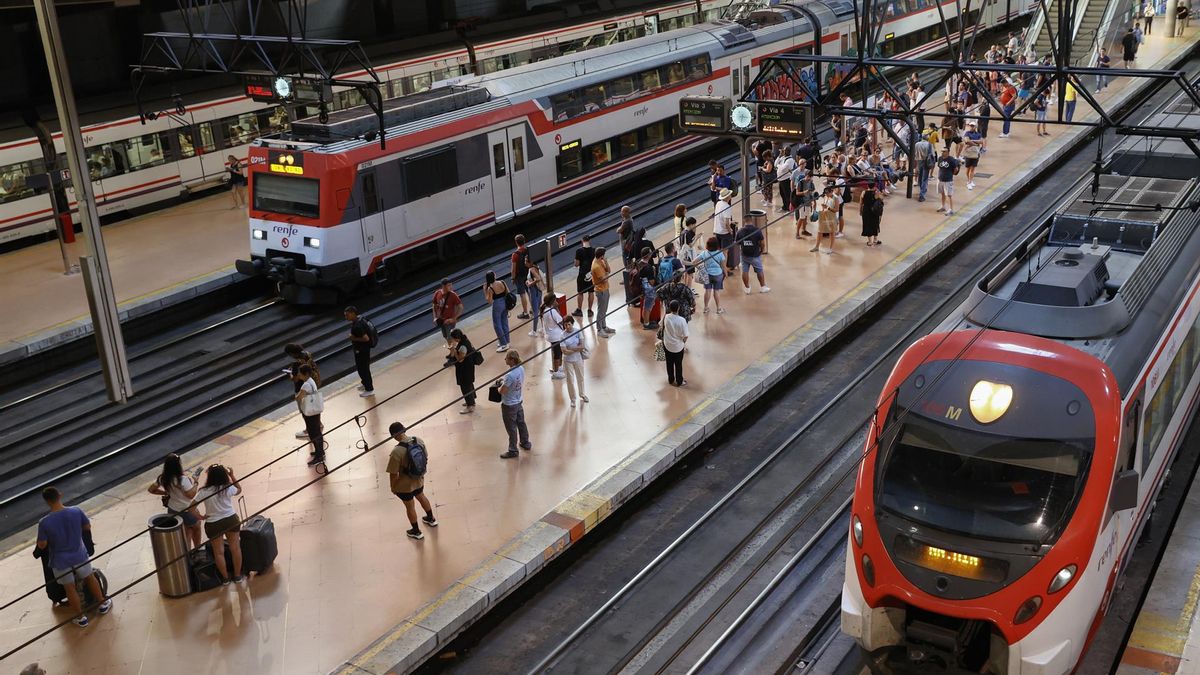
[[135, 165], [1017, 451], [329, 207]]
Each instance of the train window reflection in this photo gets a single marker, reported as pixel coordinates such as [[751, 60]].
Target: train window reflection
[[12, 180]]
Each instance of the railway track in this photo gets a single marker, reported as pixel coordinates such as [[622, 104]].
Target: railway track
[[748, 580]]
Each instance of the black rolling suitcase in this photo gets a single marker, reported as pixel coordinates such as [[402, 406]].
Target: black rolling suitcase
[[58, 594], [259, 546]]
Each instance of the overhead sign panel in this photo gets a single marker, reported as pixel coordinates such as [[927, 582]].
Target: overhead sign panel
[[704, 114], [784, 121]]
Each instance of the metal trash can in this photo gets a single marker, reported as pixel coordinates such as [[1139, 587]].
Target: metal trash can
[[758, 218], [170, 555]]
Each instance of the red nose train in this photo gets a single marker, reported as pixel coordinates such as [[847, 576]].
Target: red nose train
[[1017, 450]]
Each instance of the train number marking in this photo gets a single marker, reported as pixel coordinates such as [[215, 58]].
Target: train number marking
[[953, 413]]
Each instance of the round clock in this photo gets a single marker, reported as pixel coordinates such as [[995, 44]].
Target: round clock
[[283, 87], [742, 116]]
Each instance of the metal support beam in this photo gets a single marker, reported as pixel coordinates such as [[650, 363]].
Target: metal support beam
[[101, 298]]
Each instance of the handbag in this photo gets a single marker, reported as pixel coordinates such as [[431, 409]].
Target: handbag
[[494, 394], [313, 404], [660, 351], [585, 353], [814, 216]]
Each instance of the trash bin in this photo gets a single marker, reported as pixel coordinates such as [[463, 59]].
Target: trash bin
[[170, 555], [758, 218]]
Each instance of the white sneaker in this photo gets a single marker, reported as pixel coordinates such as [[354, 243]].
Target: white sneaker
[[302, 434], [765, 289], [361, 388], [949, 213], [721, 310], [533, 333], [747, 290], [572, 403], [971, 185], [1003, 136], [502, 348], [558, 375], [366, 393], [841, 235]]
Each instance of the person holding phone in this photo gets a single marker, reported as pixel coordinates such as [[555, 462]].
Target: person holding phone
[[178, 490], [222, 524], [312, 404]]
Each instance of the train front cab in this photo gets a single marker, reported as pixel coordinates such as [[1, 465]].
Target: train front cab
[[295, 237], [980, 539]]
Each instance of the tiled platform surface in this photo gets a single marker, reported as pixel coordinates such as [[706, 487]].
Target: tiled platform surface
[[1166, 635], [157, 260], [345, 572]]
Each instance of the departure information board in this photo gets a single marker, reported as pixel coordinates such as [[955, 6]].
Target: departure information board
[[784, 121], [704, 114]]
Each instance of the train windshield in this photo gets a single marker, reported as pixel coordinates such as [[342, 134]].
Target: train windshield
[[978, 484], [287, 194]]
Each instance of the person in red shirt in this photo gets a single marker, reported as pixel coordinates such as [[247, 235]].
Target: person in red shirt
[[519, 273], [447, 307], [1008, 99]]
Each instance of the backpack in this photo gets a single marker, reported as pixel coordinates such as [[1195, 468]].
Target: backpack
[[371, 332], [510, 299], [666, 270], [418, 459], [877, 207]]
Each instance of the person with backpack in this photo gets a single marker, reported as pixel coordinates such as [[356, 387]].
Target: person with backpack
[[926, 159], [466, 357], [750, 239], [363, 338], [648, 273], [871, 209], [312, 404], [497, 295], [406, 474], [66, 535], [536, 287], [552, 324]]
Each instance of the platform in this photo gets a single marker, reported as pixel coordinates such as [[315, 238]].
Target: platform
[[157, 259], [1166, 635], [350, 593]]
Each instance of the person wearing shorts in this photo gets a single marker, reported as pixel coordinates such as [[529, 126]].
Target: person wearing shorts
[[406, 486], [221, 522], [712, 262], [751, 240], [947, 168], [65, 534]]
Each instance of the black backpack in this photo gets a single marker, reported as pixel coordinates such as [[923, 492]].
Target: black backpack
[[371, 332], [418, 459]]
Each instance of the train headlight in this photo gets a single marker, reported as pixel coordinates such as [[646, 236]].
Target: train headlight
[[1027, 609], [989, 401], [868, 569], [260, 235], [857, 530], [312, 242], [1064, 577]]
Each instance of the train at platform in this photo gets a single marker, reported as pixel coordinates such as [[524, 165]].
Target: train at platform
[[184, 150], [1017, 451], [330, 207]]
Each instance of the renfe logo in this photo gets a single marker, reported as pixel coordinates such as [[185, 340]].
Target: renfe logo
[[477, 187], [641, 112], [285, 230]]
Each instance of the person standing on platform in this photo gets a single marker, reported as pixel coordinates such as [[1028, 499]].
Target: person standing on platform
[[1148, 15], [675, 337], [1008, 99], [299, 357], [311, 404], [626, 234], [237, 182], [1181, 18], [871, 209], [687, 256], [221, 522], [827, 217], [712, 174], [1039, 106], [971, 151], [517, 273], [679, 222], [572, 347], [1128, 48], [65, 534], [784, 167], [1103, 61], [947, 170], [447, 307], [1069, 100], [466, 357], [552, 325], [406, 468], [496, 294], [751, 239], [362, 338], [926, 159], [600, 274], [712, 262], [512, 409], [723, 225], [179, 490], [535, 285], [583, 275], [648, 275]]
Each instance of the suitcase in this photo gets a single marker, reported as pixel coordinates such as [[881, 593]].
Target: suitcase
[[633, 288], [203, 569], [259, 546], [656, 312], [58, 594], [561, 303]]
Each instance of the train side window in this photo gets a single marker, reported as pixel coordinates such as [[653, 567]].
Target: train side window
[[498, 160], [570, 161], [146, 151], [518, 153], [1129, 436], [673, 73], [599, 154], [627, 144], [655, 135], [430, 173], [187, 147], [650, 81], [370, 194], [12, 180]]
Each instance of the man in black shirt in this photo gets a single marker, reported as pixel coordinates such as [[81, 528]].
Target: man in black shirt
[[625, 231], [584, 256], [362, 335], [751, 239]]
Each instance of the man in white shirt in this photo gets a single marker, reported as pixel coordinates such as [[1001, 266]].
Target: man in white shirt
[[783, 172], [675, 335], [724, 227]]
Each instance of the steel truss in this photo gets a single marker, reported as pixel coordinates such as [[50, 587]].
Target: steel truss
[[201, 50], [780, 76]]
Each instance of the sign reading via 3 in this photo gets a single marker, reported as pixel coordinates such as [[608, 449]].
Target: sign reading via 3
[[286, 162]]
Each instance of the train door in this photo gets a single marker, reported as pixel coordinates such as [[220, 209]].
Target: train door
[[371, 218], [739, 77], [510, 177]]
